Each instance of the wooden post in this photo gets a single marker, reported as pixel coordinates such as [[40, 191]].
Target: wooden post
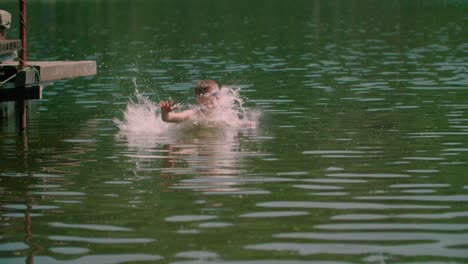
[[21, 101]]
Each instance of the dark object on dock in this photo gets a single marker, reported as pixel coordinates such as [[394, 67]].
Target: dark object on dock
[[11, 45], [8, 48]]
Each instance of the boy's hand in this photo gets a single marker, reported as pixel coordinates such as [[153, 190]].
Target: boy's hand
[[167, 106], [174, 117]]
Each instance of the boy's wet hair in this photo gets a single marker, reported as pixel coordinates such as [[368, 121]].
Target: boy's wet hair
[[205, 86]]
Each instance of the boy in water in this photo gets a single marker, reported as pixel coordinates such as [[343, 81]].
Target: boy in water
[[206, 92]]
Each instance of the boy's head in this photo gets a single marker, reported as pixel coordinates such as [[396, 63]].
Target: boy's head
[[206, 92], [206, 87]]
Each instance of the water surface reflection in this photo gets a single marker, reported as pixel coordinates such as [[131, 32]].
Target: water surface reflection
[[198, 158]]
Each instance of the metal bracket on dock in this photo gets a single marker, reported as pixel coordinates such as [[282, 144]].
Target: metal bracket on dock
[[26, 77]]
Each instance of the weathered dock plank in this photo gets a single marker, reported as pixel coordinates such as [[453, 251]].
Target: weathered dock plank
[[58, 70]]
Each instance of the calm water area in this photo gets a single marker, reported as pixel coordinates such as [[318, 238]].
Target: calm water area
[[359, 153]]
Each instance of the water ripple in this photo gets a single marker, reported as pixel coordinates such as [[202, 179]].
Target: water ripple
[[426, 249], [104, 240], [368, 175], [199, 255], [266, 261], [325, 180], [366, 217], [190, 218], [103, 259], [69, 250], [90, 227], [324, 152], [214, 225], [274, 214], [317, 187], [395, 226], [431, 198], [420, 185], [13, 246], [445, 239], [57, 193], [345, 205]]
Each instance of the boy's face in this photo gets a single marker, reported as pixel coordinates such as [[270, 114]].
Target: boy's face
[[206, 96]]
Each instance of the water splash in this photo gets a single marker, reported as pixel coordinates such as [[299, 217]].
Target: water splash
[[230, 111], [143, 116]]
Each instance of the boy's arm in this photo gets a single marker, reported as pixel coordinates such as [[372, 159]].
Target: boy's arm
[[173, 117], [168, 115]]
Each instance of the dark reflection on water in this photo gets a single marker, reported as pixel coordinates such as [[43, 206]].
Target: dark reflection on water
[[360, 154]]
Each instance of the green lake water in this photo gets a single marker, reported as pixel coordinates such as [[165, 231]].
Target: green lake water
[[360, 153]]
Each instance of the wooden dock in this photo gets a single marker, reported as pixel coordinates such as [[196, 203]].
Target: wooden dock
[[39, 72], [22, 80], [56, 70]]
